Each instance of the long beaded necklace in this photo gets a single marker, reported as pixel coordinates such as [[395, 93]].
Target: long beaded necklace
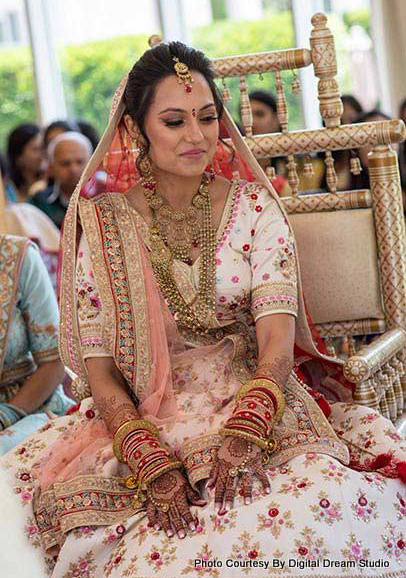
[[164, 249]]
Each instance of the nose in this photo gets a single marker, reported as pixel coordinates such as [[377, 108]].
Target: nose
[[193, 132]]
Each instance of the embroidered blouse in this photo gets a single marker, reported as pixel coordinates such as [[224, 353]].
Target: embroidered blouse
[[255, 266]]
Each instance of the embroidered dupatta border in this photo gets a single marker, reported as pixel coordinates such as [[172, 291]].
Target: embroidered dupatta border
[[12, 251], [120, 282]]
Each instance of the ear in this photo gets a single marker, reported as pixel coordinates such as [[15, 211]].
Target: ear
[[131, 126]]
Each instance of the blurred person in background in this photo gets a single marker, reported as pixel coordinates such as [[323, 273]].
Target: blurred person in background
[[68, 154], [56, 128], [264, 121], [88, 130], [352, 109], [25, 159]]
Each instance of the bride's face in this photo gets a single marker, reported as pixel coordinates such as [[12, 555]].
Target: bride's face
[[182, 127]]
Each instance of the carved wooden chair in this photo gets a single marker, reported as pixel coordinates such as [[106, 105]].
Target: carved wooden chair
[[352, 245]]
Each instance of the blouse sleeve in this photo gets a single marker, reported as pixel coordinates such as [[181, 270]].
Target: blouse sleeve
[[39, 308], [273, 258], [90, 314]]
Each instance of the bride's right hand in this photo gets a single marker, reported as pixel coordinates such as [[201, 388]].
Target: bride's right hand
[[168, 504]]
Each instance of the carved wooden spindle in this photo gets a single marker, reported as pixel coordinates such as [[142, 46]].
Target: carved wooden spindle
[[281, 106], [270, 172], [383, 383], [365, 394], [351, 346], [390, 231], [293, 177], [325, 68], [245, 108], [330, 347], [390, 393], [331, 175], [226, 94]]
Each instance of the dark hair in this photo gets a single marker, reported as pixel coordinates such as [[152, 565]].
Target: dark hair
[[64, 125], [88, 130], [353, 102], [17, 140], [366, 116], [402, 106], [154, 66], [265, 97]]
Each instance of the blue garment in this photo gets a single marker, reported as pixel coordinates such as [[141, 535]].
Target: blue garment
[[28, 333]]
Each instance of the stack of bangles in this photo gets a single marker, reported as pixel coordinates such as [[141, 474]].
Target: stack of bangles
[[260, 405], [136, 444]]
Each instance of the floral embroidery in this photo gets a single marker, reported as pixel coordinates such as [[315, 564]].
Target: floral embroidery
[[309, 546], [354, 550], [275, 520], [326, 511], [335, 473], [245, 548], [285, 261], [160, 557], [115, 561], [296, 486], [222, 522], [201, 570], [84, 568], [363, 509], [400, 507], [393, 543]]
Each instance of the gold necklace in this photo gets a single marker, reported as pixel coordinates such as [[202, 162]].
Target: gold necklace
[[197, 314]]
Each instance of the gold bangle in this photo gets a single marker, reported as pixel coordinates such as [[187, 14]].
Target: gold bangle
[[146, 481], [128, 427], [269, 384], [259, 441]]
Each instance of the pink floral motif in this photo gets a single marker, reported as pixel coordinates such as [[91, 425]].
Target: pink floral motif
[[400, 507], [393, 543], [354, 550], [363, 509], [325, 511], [235, 279], [309, 546], [275, 520], [265, 276]]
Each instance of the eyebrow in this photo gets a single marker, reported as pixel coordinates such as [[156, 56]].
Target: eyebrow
[[182, 110]]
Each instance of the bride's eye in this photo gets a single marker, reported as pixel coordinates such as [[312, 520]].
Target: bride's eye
[[208, 119], [173, 123]]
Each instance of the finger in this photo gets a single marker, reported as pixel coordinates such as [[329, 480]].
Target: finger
[[260, 472], [211, 482], [220, 488], [230, 491], [194, 497], [185, 512], [152, 517], [176, 520], [247, 487], [163, 519]]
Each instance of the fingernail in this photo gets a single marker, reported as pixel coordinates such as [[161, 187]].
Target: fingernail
[[222, 511], [247, 501], [267, 490], [157, 527], [169, 533], [192, 526], [181, 534]]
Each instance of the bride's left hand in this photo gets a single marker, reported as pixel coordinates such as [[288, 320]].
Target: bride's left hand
[[231, 455]]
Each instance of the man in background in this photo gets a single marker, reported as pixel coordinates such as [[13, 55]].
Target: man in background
[[68, 155]]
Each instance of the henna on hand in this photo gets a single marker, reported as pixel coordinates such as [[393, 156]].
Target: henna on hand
[[279, 369], [169, 500], [231, 455], [115, 414]]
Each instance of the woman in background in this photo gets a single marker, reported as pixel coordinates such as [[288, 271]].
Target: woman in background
[[25, 159]]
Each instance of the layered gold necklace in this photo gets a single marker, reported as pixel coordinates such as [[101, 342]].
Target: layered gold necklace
[[173, 235]]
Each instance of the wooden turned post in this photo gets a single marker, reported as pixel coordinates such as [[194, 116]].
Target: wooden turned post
[[390, 230], [325, 68]]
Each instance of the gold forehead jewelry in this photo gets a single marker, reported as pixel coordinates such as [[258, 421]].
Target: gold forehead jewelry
[[183, 74]]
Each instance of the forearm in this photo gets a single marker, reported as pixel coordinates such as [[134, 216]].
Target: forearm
[[275, 350], [110, 393], [39, 386]]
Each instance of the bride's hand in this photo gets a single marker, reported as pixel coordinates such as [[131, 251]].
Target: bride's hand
[[232, 454], [168, 504]]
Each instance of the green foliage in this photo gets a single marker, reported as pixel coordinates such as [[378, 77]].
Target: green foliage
[[17, 103], [361, 17], [273, 32], [218, 8]]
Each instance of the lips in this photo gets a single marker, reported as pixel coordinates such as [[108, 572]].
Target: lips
[[193, 153]]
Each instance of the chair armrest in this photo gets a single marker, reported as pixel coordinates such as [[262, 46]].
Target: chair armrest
[[370, 358]]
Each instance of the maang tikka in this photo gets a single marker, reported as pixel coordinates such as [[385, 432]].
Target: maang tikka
[[183, 73]]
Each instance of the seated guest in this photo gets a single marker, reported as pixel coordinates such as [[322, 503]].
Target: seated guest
[[30, 369], [88, 130], [25, 159], [352, 109], [55, 129], [7, 184], [68, 154]]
